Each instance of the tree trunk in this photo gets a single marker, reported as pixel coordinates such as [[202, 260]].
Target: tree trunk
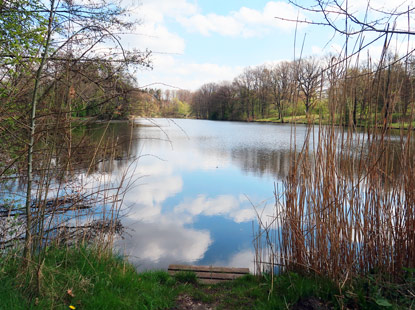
[[28, 237]]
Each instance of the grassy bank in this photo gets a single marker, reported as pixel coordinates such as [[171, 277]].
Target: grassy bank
[[317, 119], [82, 278], [86, 278]]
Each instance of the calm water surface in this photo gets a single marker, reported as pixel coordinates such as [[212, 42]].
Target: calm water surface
[[193, 187], [195, 184]]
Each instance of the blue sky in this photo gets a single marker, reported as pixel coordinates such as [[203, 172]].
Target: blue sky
[[200, 41]]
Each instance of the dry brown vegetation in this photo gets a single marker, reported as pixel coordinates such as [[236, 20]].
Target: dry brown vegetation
[[347, 207]]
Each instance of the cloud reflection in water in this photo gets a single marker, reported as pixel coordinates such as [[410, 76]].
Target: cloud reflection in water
[[156, 245], [190, 182]]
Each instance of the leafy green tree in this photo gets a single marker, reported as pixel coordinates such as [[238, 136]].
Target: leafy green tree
[[44, 47], [22, 29]]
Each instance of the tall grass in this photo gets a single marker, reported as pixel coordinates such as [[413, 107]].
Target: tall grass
[[85, 278], [347, 207]]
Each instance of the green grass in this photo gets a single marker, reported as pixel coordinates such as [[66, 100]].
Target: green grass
[[315, 119], [291, 290], [299, 119], [255, 292], [186, 277], [89, 279], [96, 281]]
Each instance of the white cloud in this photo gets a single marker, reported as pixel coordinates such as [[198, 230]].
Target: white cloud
[[246, 22], [220, 205], [374, 51], [156, 37], [239, 209], [244, 215], [316, 50], [156, 245], [152, 32], [332, 49], [243, 259], [206, 24], [147, 198], [358, 7], [208, 72], [175, 72], [281, 9], [170, 8], [169, 66]]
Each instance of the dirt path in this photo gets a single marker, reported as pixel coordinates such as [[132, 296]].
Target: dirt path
[[186, 302]]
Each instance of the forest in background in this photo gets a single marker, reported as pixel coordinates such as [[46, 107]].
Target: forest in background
[[310, 86], [87, 74], [297, 90]]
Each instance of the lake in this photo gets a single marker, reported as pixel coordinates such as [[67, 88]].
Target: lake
[[192, 190], [195, 187]]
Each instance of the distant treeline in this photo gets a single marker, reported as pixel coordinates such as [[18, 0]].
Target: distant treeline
[[312, 86], [153, 102]]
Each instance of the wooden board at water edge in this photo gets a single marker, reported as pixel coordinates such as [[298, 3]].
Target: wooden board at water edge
[[210, 274]]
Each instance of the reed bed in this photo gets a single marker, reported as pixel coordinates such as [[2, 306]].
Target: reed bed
[[344, 209], [347, 207]]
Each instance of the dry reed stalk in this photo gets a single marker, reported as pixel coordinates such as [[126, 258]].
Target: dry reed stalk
[[348, 203]]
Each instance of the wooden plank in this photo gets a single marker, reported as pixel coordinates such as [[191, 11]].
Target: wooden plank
[[212, 275], [209, 269]]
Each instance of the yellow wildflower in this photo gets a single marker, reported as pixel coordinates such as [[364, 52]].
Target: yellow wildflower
[[72, 307]]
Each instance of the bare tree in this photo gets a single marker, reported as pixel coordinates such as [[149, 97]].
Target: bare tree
[[308, 75], [262, 87], [281, 86], [336, 14], [246, 89]]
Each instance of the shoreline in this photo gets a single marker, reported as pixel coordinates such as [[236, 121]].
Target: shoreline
[[266, 121]]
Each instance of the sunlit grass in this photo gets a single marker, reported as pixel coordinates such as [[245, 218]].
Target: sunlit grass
[[86, 279]]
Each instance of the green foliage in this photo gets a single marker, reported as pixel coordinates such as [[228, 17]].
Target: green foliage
[[22, 30], [380, 291], [182, 108], [186, 277], [321, 108], [289, 288], [85, 278], [295, 109]]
